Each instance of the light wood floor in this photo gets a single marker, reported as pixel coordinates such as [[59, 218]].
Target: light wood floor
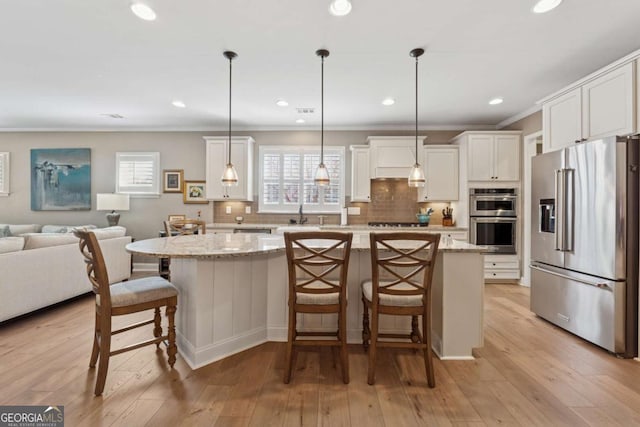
[[528, 373]]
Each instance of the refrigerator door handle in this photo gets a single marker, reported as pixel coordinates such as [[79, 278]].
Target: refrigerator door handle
[[601, 285], [569, 211], [559, 196]]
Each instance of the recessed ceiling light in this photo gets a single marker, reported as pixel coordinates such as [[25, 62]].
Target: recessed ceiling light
[[340, 7], [143, 11], [300, 121], [496, 101], [388, 101], [179, 104], [282, 103], [544, 6]]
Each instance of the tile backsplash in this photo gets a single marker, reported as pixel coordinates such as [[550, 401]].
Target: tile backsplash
[[391, 200]]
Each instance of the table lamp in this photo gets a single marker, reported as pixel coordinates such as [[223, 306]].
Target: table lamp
[[112, 202]]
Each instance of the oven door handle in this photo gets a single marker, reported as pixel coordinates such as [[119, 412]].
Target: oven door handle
[[493, 199], [493, 220]]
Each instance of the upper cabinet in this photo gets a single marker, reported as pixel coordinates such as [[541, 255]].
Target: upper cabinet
[[440, 163], [638, 94], [492, 156], [216, 160], [562, 120], [393, 156], [608, 106], [603, 104], [360, 179]]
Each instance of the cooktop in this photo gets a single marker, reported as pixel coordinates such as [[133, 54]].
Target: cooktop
[[397, 224]]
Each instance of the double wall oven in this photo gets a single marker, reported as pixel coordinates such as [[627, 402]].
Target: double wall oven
[[493, 218]]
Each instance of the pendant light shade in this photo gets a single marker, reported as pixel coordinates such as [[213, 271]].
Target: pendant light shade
[[322, 174], [229, 176], [416, 176]]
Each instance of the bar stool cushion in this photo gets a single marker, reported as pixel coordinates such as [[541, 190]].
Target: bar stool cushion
[[319, 299], [392, 300], [139, 291]]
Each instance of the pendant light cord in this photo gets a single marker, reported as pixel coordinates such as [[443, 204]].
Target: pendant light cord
[[322, 112], [230, 61], [416, 110]]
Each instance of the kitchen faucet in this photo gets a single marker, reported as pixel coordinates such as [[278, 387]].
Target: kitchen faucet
[[301, 218]]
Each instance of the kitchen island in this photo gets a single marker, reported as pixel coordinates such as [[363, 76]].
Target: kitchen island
[[233, 294]]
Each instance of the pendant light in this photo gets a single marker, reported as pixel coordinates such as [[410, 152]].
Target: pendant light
[[230, 176], [416, 176], [322, 174]]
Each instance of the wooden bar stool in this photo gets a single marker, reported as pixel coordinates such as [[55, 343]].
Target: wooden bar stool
[[185, 226], [122, 298], [314, 289], [402, 270]]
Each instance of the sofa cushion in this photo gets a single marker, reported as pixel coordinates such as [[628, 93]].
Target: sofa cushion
[[22, 228], [44, 240], [64, 228], [110, 232], [11, 244], [5, 231]]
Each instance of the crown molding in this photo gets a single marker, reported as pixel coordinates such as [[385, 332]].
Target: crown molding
[[521, 115]]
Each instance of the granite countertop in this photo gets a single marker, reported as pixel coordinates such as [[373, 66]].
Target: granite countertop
[[433, 227], [233, 245]]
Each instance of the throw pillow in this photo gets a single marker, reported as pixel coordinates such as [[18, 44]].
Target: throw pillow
[[5, 232]]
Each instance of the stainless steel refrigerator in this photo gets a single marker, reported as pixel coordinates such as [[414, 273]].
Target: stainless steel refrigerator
[[584, 241]]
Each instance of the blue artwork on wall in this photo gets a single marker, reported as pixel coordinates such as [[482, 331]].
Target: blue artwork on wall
[[61, 179]]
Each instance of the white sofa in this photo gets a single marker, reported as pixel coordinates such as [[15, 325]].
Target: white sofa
[[50, 268]]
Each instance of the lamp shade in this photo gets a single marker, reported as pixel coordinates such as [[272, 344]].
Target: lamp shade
[[112, 202]]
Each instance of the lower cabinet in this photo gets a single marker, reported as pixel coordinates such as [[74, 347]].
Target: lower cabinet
[[501, 267]]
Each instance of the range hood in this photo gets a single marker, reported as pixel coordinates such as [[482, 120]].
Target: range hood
[[393, 156]]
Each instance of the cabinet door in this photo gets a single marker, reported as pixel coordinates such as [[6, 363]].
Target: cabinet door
[[215, 158], [216, 161], [360, 179], [480, 158], [562, 121], [441, 174], [608, 106], [637, 83], [507, 157]]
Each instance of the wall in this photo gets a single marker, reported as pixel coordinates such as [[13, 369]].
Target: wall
[[528, 125], [178, 150]]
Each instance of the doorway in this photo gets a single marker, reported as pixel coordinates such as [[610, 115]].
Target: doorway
[[532, 147]]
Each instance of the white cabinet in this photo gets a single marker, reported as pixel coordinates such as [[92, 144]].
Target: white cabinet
[[501, 267], [440, 163], [562, 121], [602, 106], [637, 95], [608, 106], [360, 170], [216, 160], [493, 157], [393, 156]]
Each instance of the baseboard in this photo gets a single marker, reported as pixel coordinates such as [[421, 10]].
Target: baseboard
[[196, 358]]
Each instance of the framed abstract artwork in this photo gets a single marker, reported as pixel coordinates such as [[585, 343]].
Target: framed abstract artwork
[[61, 179]]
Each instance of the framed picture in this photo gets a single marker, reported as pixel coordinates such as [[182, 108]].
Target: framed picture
[[195, 192], [172, 180], [177, 217]]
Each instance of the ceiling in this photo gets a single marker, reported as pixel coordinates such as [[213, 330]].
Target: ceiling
[[67, 63]]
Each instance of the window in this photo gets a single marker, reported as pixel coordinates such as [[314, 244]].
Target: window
[[287, 179], [4, 174], [138, 174]]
